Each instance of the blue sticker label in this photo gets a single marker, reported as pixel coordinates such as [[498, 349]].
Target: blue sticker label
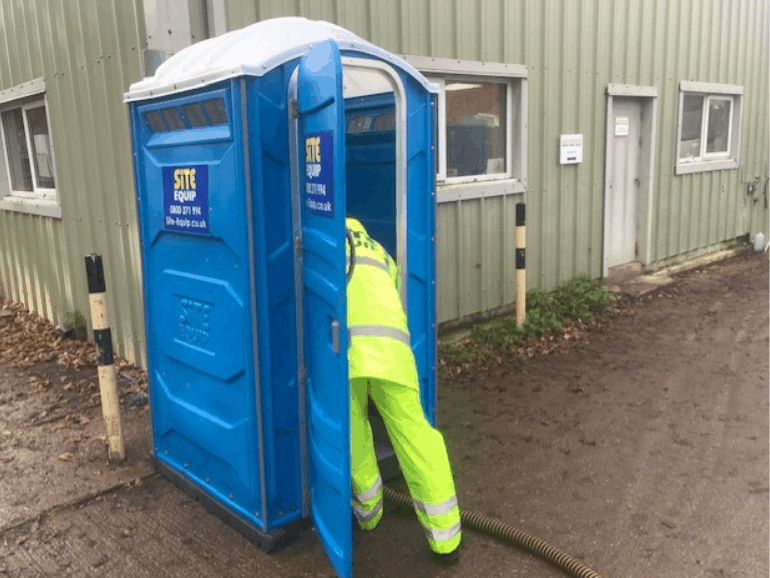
[[186, 198], [319, 173]]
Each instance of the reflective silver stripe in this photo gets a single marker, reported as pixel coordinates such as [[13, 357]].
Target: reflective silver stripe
[[366, 515], [378, 331], [436, 509], [443, 535], [371, 493], [370, 261]]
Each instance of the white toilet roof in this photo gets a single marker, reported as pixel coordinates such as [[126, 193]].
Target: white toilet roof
[[253, 51]]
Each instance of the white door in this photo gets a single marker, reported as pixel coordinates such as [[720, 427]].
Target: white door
[[622, 191]]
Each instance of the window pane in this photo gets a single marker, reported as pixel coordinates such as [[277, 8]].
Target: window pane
[[16, 150], [155, 120], [385, 122], [216, 111], [173, 118], [194, 114], [475, 128], [359, 124], [692, 118], [719, 125], [41, 147]]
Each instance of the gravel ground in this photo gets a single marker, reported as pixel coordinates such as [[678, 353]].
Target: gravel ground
[[642, 450]]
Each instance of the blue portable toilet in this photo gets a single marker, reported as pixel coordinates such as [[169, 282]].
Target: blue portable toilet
[[249, 150]]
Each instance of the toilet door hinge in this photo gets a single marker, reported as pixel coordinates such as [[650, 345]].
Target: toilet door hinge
[[293, 109]]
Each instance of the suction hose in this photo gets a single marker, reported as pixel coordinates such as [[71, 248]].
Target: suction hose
[[507, 533]]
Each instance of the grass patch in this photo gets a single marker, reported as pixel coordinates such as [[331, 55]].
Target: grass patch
[[75, 322], [547, 313]]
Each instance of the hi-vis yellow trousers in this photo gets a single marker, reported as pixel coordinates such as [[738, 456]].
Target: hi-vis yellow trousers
[[421, 453]]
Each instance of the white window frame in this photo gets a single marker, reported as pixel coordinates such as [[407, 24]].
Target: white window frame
[[36, 192], [717, 160], [514, 76], [441, 176], [41, 200]]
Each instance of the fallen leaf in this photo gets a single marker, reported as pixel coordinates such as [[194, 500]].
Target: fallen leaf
[[65, 456]]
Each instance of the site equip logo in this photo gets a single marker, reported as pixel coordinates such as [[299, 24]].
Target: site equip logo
[[186, 198], [319, 173]]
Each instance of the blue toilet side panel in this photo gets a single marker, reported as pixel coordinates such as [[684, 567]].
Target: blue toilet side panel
[[421, 227], [276, 298], [198, 308]]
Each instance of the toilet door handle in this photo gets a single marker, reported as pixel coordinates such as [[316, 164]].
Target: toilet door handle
[[335, 336]]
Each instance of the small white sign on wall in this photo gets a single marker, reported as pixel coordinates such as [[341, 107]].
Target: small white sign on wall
[[571, 150], [621, 126]]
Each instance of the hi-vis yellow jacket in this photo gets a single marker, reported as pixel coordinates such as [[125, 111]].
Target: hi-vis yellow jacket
[[377, 328]]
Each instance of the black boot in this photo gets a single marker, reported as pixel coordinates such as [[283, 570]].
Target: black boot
[[356, 531], [448, 558]]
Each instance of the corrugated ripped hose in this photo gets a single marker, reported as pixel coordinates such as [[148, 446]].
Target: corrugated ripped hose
[[507, 533]]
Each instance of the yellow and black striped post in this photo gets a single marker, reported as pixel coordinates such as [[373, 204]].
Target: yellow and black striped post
[[108, 384], [521, 271]]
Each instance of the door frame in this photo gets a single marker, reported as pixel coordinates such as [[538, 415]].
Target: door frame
[[648, 96], [399, 96], [400, 102]]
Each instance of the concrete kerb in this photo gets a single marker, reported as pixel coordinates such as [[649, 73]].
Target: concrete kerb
[[696, 262], [645, 284], [654, 280]]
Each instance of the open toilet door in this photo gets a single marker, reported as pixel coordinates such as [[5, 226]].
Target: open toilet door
[[321, 166]]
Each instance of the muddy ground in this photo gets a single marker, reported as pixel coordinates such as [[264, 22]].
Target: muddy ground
[[642, 450]]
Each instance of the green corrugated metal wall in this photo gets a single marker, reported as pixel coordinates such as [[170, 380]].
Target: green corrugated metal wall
[[572, 51], [88, 52]]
